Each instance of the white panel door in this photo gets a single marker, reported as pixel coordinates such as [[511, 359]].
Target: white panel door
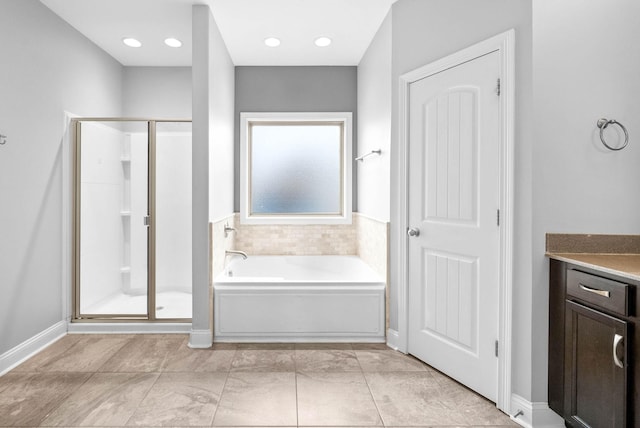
[[454, 136]]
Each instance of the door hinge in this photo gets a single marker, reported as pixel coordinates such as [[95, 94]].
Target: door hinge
[[498, 88], [146, 220], [498, 217], [496, 348]]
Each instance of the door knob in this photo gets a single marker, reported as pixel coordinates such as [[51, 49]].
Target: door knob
[[413, 232]]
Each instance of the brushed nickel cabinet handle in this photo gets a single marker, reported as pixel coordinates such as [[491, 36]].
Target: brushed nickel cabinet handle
[[602, 293], [616, 342]]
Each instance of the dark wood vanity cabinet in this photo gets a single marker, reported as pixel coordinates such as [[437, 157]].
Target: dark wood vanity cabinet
[[595, 387], [593, 348]]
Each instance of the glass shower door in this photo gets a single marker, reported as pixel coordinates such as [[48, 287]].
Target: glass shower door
[[111, 208]]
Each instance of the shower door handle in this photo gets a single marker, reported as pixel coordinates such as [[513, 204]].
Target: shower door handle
[[147, 220]]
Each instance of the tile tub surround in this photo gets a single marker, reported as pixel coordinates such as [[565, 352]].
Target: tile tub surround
[[233, 385], [296, 240], [364, 237], [373, 243], [373, 248]]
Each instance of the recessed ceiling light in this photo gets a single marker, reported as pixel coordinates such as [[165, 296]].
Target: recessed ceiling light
[[322, 42], [172, 42], [131, 42], [272, 42]]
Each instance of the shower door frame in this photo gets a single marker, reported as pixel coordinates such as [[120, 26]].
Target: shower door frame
[[77, 316]]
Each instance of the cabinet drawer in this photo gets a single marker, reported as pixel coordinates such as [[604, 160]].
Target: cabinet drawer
[[603, 292]]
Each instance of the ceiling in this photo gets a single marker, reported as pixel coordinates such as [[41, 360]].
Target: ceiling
[[244, 24]]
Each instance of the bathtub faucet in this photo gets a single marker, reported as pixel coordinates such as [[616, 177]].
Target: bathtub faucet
[[236, 252]]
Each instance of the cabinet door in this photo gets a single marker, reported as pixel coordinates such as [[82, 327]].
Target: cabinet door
[[595, 368]]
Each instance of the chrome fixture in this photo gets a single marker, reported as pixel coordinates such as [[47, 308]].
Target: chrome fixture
[[603, 123], [228, 229], [372, 152], [237, 253], [413, 231], [616, 341]]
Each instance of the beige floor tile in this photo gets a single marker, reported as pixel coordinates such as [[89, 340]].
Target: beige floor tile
[[180, 399], [375, 360], [326, 399], [146, 353], [335, 360], [476, 409], [258, 399], [215, 359], [86, 354], [50, 353], [412, 399], [27, 398], [261, 390], [264, 360], [107, 399]]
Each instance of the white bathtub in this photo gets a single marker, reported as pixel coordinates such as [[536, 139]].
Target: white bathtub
[[299, 299]]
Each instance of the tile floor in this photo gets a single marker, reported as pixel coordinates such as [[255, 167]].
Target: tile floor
[[157, 380]]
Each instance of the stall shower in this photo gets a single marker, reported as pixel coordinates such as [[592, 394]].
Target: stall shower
[[132, 220]]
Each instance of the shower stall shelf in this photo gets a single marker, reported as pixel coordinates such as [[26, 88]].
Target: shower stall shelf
[[125, 213], [132, 220]]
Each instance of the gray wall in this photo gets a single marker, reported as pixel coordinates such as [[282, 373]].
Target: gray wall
[[221, 136], [47, 68], [294, 89], [156, 92], [212, 156], [374, 125], [586, 66], [426, 30]]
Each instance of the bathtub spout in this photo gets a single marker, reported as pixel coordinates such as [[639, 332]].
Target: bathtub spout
[[236, 252]]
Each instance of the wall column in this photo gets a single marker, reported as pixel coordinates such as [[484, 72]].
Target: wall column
[[201, 335]]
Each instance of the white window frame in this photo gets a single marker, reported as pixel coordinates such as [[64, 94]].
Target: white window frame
[[347, 162]]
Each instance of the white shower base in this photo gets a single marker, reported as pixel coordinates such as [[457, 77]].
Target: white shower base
[[169, 305]]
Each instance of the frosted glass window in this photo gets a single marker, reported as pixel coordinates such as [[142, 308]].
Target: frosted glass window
[[296, 169]]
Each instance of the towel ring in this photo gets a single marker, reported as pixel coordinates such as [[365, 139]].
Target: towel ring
[[603, 123]]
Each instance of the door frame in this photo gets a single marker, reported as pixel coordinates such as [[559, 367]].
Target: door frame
[[504, 43]]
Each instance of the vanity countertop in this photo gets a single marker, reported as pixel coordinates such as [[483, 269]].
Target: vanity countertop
[[623, 265], [614, 254]]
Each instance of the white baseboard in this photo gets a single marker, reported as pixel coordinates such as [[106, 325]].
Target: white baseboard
[[15, 356], [200, 339], [393, 339], [129, 328], [534, 414]]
